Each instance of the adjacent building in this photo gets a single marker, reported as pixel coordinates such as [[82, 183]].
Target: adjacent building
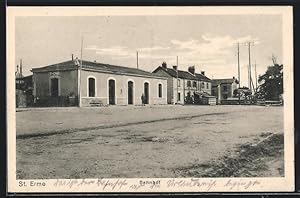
[[86, 83], [185, 87], [24, 88], [223, 89]]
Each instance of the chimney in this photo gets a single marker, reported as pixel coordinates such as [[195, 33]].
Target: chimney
[[175, 67], [203, 73], [164, 65], [191, 69], [72, 57]]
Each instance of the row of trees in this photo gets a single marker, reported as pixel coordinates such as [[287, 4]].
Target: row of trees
[[271, 83]]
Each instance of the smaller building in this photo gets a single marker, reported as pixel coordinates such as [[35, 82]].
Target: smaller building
[[205, 99], [24, 88], [184, 87], [223, 89]]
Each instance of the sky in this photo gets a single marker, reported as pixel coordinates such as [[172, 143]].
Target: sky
[[209, 42]]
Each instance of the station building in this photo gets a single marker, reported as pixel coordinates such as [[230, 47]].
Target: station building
[[76, 83]]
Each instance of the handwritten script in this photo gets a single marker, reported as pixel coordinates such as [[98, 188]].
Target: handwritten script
[[194, 184]]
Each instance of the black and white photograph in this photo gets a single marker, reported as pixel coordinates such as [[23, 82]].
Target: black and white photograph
[[159, 99]]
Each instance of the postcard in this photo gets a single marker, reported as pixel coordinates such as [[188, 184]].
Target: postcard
[[150, 99]]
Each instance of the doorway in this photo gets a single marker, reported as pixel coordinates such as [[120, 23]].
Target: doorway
[[112, 92], [146, 92], [130, 92], [54, 87]]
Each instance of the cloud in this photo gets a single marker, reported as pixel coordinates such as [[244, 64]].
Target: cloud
[[122, 52], [207, 51], [154, 48]]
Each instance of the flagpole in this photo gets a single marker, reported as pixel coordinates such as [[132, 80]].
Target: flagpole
[[79, 73]]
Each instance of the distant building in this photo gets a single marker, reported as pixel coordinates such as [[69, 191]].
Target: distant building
[[24, 88], [224, 88], [96, 84], [184, 86]]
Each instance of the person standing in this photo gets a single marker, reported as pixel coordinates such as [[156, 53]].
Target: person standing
[[143, 99]]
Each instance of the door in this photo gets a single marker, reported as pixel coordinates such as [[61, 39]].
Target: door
[[146, 92], [130, 92], [111, 92], [54, 87]]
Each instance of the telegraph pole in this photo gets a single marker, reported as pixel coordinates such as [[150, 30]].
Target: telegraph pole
[[177, 77], [249, 67], [255, 77], [137, 59], [238, 55]]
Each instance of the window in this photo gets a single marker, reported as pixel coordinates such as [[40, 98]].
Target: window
[[194, 84], [91, 87], [178, 82], [159, 90], [202, 85], [224, 88], [178, 97], [189, 83], [207, 86]]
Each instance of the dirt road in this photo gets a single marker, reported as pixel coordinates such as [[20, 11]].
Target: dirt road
[[162, 140]]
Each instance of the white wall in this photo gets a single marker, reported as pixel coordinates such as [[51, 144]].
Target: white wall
[[121, 88]]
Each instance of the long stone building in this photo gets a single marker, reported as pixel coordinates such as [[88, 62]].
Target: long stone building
[[71, 83]]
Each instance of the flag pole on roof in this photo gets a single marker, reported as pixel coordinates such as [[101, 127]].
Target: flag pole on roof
[[79, 72], [81, 50], [137, 59]]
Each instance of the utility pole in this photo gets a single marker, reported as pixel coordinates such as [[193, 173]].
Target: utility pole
[[255, 77], [249, 67], [238, 55], [137, 59], [177, 77]]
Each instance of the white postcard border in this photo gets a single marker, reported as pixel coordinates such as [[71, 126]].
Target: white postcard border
[[276, 184]]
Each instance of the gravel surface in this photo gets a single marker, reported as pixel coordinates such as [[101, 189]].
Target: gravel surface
[[133, 141]]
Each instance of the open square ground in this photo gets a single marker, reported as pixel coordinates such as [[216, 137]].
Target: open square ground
[[142, 141]]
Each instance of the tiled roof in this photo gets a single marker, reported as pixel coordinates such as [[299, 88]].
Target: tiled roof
[[216, 82], [67, 65], [202, 77], [183, 74], [70, 65]]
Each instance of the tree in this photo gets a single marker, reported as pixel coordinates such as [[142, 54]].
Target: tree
[[271, 83]]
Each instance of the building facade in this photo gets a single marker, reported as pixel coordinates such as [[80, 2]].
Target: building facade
[[95, 84], [224, 88], [184, 86]]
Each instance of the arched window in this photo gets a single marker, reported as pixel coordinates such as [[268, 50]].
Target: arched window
[[91, 87], [207, 86], [159, 90]]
